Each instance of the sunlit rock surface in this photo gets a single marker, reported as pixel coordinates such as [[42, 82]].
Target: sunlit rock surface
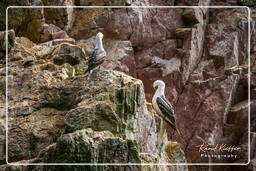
[[200, 53]]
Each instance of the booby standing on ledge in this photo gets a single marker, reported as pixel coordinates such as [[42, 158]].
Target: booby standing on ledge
[[162, 106], [97, 56]]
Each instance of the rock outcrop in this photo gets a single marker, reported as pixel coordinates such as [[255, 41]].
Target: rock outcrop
[[57, 115], [200, 53]]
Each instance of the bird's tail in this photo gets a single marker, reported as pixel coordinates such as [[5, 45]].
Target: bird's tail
[[174, 126]]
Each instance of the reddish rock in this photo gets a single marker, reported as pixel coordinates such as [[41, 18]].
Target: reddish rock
[[51, 31], [60, 17], [182, 33], [201, 68]]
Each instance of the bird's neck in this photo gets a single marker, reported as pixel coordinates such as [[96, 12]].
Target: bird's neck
[[99, 44], [160, 90]]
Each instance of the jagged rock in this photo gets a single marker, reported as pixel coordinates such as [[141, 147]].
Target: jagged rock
[[214, 93], [183, 33], [51, 32], [47, 100], [120, 109], [87, 146], [32, 18], [11, 37], [189, 17], [61, 17], [59, 41], [232, 41], [172, 149], [28, 62], [35, 19], [113, 108], [151, 33], [30, 134], [68, 53], [239, 113]]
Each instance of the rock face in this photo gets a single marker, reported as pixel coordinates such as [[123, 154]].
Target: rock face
[[58, 115], [87, 146], [200, 53]]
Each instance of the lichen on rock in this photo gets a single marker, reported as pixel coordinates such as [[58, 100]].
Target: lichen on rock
[[110, 102]]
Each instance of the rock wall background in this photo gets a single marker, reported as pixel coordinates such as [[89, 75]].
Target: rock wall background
[[201, 54]]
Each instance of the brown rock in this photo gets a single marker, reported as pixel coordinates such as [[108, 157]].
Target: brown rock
[[51, 32], [208, 103], [11, 38], [29, 135], [189, 17], [61, 17], [182, 33], [68, 53]]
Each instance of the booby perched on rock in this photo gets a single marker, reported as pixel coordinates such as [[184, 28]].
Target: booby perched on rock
[[98, 54], [162, 106]]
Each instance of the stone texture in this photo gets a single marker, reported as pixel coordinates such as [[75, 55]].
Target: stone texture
[[61, 17], [70, 54], [113, 111], [11, 37], [87, 146], [30, 134], [49, 103], [205, 70]]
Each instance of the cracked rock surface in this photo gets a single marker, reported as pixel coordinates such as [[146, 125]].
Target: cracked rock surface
[[201, 54]]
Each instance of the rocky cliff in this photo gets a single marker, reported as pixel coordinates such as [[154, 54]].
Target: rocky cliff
[[58, 115], [200, 53]]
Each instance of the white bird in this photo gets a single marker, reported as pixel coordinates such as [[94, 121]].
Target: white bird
[[97, 56], [162, 106]]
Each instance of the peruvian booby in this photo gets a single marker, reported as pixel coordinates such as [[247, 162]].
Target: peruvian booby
[[98, 54], [162, 106]]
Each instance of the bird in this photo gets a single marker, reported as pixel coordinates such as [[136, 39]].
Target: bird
[[97, 56], [162, 106]]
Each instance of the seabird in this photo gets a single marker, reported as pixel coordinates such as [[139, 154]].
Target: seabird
[[98, 54], [162, 106]]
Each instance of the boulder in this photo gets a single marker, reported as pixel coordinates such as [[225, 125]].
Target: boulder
[[67, 53], [30, 134]]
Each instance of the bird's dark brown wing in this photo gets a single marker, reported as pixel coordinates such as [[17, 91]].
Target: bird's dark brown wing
[[167, 109], [168, 103], [93, 62]]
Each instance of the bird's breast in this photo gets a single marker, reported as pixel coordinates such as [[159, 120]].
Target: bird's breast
[[155, 106]]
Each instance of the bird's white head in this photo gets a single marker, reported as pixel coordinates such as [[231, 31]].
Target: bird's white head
[[99, 36], [159, 84], [98, 42]]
